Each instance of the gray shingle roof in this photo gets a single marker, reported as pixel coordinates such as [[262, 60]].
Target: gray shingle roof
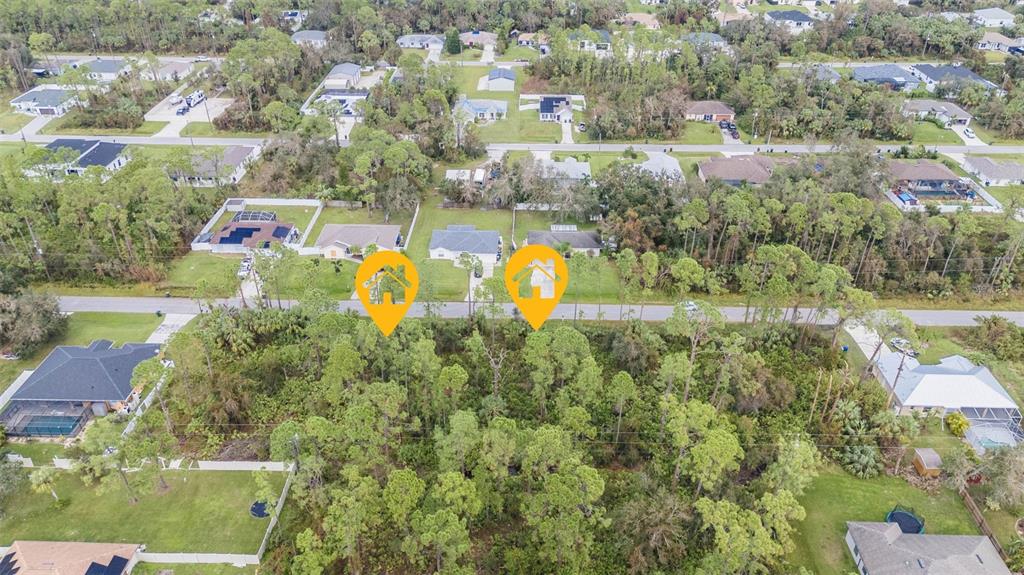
[[99, 372], [309, 36], [362, 235], [885, 550], [881, 73], [104, 65], [345, 69], [789, 16], [947, 73], [499, 73], [467, 239], [575, 240], [45, 97], [990, 169]]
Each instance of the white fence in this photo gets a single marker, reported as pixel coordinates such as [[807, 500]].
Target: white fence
[[239, 204], [173, 464]]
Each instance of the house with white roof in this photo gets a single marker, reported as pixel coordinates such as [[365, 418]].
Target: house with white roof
[[992, 18], [568, 171], [946, 112], [951, 78], [793, 20], [310, 38], [46, 100], [501, 80], [995, 172], [421, 41], [955, 384], [342, 76], [480, 109], [104, 69]]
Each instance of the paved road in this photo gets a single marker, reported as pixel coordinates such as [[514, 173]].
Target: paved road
[[728, 148], [610, 312], [859, 64], [33, 138]]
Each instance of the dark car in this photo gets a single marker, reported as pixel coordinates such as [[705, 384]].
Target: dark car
[[735, 135], [723, 124], [182, 111], [732, 126]]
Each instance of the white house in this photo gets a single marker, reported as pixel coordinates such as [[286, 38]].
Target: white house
[[104, 69], [421, 41], [946, 112], [338, 241], [556, 109], [884, 549], [568, 171], [310, 38], [955, 384], [996, 42], [995, 173], [455, 240], [793, 20], [228, 168], [168, 72], [479, 109], [951, 78], [992, 18], [343, 76], [478, 38], [501, 80], [587, 243], [46, 100]]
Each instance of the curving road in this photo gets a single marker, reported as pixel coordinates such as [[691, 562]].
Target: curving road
[[607, 312]]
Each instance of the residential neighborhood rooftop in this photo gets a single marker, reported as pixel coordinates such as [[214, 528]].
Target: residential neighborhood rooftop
[[788, 16], [579, 240], [98, 372], [382, 235], [45, 96], [309, 36], [886, 550], [465, 238], [501, 73], [67, 558], [948, 73], [949, 109], [990, 169], [954, 382], [920, 170], [881, 72]]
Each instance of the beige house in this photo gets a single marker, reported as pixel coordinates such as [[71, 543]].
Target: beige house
[[66, 557], [338, 241]]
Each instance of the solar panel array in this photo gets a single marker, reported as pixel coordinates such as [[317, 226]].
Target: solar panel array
[[255, 216]]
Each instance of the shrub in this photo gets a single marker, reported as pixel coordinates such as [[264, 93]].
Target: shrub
[[957, 424]]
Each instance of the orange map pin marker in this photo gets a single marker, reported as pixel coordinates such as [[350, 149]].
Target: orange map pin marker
[[536, 278], [386, 283]]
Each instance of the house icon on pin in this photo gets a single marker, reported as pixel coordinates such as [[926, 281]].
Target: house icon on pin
[[541, 278], [387, 286]]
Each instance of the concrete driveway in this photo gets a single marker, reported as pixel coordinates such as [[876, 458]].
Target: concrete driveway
[[166, 112], [475, 282], [488, 56], [567, 128], [728, 139], [968, 140]]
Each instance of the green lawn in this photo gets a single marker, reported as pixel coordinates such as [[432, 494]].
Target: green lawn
[[182, 278], [688, 162], [358, 216], [83, 328], [1006, 194], [337, 280], [994, 138], [300, 216], [518, 53], [11, 122], [600, 161], [447, 281], [57, 126], [836, 497], [40, 452], [527, 221], [182, 569], [9, 149], [518, 126], [207, 129], [929, 133], [695, 133], [467, 55], [207, 513]]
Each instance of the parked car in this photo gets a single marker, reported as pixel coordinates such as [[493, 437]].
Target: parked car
[[581, 127], [182, 111], [690, 306], [195, 98], [10, 356], [732, 126], [735, 135], [175, 100], [202, 58], [903, 346], [969, 133], [723, 124]]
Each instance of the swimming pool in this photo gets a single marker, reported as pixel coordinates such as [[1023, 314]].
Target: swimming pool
[[50, 425]]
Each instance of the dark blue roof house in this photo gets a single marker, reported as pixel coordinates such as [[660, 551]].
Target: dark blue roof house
[[950, 76], [73, 382], [107, 155], [501, 74]]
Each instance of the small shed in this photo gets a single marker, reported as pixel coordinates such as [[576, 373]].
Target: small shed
[[927, 462]]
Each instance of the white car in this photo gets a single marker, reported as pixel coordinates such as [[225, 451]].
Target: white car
[[202, 58], [969, 133], [10, 357], [175, 100], [690, 306]]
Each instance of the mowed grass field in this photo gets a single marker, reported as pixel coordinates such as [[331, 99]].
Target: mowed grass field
[[60, 126], [517, 126], [83, 329], [836, 497], [202, 512]]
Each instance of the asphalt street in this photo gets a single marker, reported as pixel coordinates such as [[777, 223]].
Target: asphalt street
[[607, 312]]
